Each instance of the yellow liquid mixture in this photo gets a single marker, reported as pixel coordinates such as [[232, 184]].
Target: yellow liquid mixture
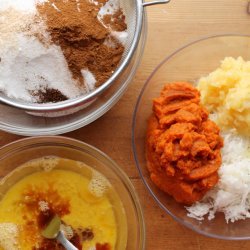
[[84, 199]]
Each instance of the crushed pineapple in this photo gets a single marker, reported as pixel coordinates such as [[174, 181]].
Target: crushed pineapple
[[226, 93]]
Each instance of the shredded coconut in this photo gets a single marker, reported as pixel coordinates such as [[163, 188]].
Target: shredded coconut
[[231, 196]]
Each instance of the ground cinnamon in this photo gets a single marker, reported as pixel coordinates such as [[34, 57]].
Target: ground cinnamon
[[116, 21], [49, 95], [74, 26]]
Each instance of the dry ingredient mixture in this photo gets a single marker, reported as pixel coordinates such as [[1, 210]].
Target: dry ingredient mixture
[[53, 50], [183, 145]]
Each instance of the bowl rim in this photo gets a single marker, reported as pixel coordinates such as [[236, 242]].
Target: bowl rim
[[24, 143], [93, 94], [133, 140]]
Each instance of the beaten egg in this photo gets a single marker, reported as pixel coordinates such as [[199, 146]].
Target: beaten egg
[[91, 212]]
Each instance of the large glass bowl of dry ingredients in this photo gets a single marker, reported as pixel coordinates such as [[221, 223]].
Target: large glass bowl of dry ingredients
[[103, 59], [189, 64], [115, 210]]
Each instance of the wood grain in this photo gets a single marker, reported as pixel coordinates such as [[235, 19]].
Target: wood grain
[[169, 27]]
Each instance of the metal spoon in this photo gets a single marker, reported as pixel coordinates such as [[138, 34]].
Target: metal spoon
[[52, 231]]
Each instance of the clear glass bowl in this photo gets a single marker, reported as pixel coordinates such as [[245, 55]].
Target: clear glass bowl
[[17, 121], [19, 152], [187, 64]]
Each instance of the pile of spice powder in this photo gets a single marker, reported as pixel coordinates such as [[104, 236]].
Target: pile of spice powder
[[62, 48]]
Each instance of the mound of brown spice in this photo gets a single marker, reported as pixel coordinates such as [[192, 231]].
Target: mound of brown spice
[[81, 36]]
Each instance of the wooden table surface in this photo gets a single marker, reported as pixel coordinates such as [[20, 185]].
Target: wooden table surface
[[170, 27]]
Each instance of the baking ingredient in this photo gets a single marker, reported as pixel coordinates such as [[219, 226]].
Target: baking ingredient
[[27, 65], [226, 92], [89, 220], [63, 46], [49, 95], [231, 195], [183, 145], [81, 37]]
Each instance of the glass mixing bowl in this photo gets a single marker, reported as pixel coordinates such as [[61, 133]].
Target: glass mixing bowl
[[19, 152], [187, 64]]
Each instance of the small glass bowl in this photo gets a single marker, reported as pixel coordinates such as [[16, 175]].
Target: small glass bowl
[[187, 64], [15, 154]]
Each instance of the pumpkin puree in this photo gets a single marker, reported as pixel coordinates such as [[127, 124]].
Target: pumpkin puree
[[183, 145]]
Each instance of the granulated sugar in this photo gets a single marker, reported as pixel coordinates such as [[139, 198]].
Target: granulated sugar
[[31, 66], [32, 62], [121, 36], [89, 79]]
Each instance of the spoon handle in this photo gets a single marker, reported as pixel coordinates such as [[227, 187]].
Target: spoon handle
[[63, 240]]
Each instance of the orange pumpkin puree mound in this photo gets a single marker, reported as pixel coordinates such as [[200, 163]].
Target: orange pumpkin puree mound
[[183, 145]]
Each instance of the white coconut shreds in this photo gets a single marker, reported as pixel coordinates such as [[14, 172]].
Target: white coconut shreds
[[231, 196]]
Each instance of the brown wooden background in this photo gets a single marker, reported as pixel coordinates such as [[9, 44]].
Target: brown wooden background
[[170, 27]]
